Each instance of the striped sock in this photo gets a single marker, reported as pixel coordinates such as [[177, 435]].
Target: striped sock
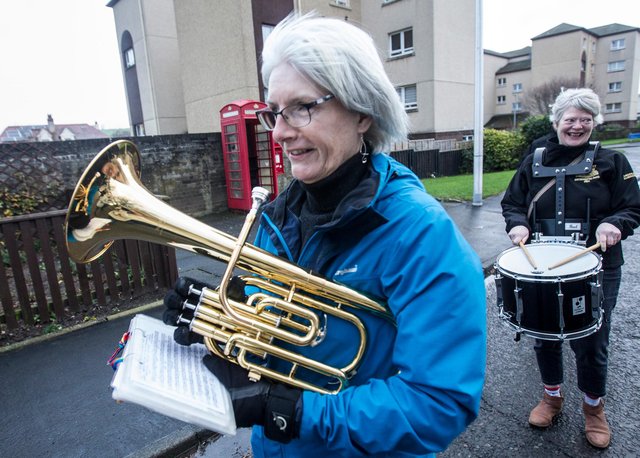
[[552, 390]]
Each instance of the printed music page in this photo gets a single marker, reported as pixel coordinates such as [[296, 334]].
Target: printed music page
[[169, 378]]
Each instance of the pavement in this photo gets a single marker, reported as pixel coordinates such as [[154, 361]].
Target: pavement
[[55, 399]]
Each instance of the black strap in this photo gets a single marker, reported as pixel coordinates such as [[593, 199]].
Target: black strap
[[281, 420]]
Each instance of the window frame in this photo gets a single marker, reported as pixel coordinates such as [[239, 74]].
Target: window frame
[[402, 50], [402, 93], [617, 48], [138, 130], [615, 107], [616, 66], [129, 58], [615, 86]]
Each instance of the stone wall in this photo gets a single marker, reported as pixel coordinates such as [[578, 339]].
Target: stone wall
[[187, 168]]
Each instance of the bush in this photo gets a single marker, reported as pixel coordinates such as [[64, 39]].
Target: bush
[[502, 149], [466, 163], [609, 132], [14, 203], [535, 127]]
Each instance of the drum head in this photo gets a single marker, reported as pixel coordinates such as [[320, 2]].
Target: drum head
[[514, 263]]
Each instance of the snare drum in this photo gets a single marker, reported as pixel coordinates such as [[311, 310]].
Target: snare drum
[[562, 303]]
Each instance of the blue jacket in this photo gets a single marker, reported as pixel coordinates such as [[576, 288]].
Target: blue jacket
[[421, 379]]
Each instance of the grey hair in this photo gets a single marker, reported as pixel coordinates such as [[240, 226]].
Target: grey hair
[[581, 98], [344, 60]]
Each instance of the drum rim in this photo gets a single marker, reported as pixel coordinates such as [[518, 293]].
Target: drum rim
[[577, 334], [548, 279]]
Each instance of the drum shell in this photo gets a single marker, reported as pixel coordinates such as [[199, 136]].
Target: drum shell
[[563, 307]]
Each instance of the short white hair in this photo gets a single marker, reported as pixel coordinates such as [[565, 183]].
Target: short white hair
[[581, 98], [343, 59]]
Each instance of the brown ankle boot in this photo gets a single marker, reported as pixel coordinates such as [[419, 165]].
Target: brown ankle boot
[[543, 414], [596, 426]]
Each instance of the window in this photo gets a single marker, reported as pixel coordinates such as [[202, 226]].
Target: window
[[613, 107], [408, 96], [129, 58], [516, 106], [344, 3], [467, 138], [517, 87], [502, 99], [615, 87], [266, 31], [617, 45], [401, 43], [502, 82], [616, 66], [139, 130]]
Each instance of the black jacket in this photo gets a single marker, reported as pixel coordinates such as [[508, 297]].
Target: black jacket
[[611, 186]]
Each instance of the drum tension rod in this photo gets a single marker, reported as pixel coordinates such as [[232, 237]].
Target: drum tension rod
[[560, 309]]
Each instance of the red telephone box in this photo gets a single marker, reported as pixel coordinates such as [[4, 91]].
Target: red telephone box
[[250, 155]]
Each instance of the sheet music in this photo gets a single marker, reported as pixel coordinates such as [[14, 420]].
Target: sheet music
[[169, 378]]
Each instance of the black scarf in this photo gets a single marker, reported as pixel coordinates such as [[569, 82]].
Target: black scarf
[[324, 196]]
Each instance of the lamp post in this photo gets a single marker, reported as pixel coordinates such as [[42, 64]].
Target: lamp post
[[478, 134]]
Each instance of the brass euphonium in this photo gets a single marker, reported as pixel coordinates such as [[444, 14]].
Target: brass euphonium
[[110, 203]]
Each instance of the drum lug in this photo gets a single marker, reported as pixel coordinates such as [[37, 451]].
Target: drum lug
[[597, 296], [519, 304], [499, 298], [560, 309]]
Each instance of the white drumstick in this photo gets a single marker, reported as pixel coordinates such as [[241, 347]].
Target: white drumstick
[[575, 256], [528, 255]]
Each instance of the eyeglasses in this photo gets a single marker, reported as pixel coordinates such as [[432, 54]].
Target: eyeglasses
[[298, 115], [583, 121]]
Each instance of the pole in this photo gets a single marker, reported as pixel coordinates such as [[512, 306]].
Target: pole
[[515, 111], [478, 136]]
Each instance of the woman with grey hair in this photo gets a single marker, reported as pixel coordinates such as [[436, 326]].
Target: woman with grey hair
[[598, 203], [357, 217]]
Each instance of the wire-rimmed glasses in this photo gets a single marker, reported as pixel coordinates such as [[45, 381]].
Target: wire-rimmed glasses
[[298, 115]]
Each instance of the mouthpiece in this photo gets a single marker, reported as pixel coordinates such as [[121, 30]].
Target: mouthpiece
[[259, 196]]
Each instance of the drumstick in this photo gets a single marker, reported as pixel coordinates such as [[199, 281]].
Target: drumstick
[[575, 256], [528, 255]]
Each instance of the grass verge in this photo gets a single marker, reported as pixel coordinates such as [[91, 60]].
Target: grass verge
[[460, 187]]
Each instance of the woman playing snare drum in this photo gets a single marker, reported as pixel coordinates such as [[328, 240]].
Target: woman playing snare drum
[[599, 203]]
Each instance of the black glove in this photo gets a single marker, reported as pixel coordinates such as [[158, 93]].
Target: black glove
[[270, 404], [174, 302], [175, 311]]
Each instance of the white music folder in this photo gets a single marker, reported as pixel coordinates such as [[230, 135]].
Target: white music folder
[[168, 378]]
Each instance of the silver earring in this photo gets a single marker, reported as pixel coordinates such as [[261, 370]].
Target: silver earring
[[363, 150]]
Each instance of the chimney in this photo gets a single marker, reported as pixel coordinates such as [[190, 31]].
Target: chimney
[[51, 127]]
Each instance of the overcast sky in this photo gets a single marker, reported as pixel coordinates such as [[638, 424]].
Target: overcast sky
[[61, 56]]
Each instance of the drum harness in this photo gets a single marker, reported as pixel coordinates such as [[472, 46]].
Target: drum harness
[[576, 231]]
